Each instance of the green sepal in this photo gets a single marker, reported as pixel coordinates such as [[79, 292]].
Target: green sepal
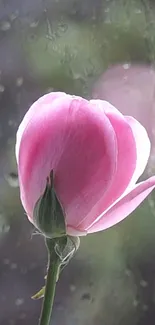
[[39, 294], [48, 215]]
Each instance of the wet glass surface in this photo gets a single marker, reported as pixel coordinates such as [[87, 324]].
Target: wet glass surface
[[86, 48]]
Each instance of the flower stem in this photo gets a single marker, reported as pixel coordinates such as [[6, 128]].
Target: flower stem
[[52, 276]]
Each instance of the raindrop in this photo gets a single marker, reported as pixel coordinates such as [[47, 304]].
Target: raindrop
[[72, 287], [77, 76], [151, 203], [138, 11], [12, 179], [91, 284], [5, 228], [143, 283], [5, 25], [19, 81], [59, 306], [22, 316], [34, 24], [12, 322], [13, 266], [14, 15], [6, 261], [128, 272], [63, 27], [135, 303], [107, 21], [86, 296], [12, 123], [145, 307], [50, 89], [19, 301], [2, 88], [32, 37], [126, 66]]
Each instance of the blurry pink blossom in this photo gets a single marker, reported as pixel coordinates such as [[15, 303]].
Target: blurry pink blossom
[[130, 88], [96, 154]]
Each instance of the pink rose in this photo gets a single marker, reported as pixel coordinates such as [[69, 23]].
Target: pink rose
[[96, 154]]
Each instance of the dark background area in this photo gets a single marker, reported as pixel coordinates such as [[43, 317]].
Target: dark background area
[[88, 48]]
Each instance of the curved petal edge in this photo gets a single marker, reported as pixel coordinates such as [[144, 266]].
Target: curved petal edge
[[123, 207]]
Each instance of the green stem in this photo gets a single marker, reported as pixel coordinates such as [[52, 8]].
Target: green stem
[[52, 276]]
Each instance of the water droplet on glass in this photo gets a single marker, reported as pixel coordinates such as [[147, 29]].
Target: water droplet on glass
[[12, 179], [34, 24], [107, 20], [59, 306], [128, 272], [50, 89], [126, 66], [5, 25], [143, 283], [12, 123], [12, 322], [106, 9], [19, 81], [5, 228], [63, 27], [6, 261], [145, 307], [22, 316], [138, 11], [72, 287], [151, 203], [2, 88], [14, 15], [86, 296], [19, 301], [13, 266], [135, 303]]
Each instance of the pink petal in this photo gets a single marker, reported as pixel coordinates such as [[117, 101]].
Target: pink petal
[[30, 114], [78, 142], [124, 206], [126, 161], [143, 147]]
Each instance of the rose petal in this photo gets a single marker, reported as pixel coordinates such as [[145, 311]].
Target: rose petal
[[30, 114], [123, 207], [127, 153], [126, 161], [143, 147]]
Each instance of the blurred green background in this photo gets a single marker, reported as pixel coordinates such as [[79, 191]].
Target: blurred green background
[[68, 45]]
